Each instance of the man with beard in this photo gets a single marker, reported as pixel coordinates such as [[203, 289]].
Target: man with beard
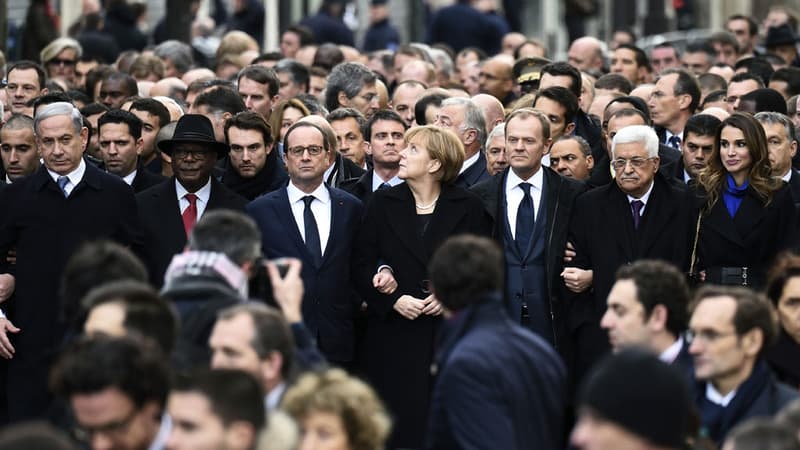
[[254, 168]]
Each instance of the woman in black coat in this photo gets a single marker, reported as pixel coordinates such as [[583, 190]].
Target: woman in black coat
[[747, 216], [402, 228]]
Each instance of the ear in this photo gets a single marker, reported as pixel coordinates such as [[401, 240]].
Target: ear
[[365, 146], [590, 162], [568, 129], [275, 99], [658, 318], [642, 74], [240, 434], [684, 101], [434, 166], [139, 146], [225, 116], [547, 144], [44, 91], [271, 366], [368, 148], [752, 342], [268, 148], [793, 148], [470, 136], [342, 98], [84, 138]]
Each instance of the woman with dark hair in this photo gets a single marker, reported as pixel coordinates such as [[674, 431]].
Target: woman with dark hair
[[402, 227], [746, 216], [783, 289], [283, 116]]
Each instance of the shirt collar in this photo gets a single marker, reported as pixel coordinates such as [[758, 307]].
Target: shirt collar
[[320, 193], [377, 181], [646, 197], [202, 194], [469, 162], [713, 395], [130, 177], [669, 355], [75, 176], [788, 176], [164, 430], [537, 179], [273, 397]]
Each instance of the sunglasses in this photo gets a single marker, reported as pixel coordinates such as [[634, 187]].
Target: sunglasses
[[59, 62]]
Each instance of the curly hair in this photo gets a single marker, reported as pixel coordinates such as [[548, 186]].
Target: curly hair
[[713, 178], [362, 413]]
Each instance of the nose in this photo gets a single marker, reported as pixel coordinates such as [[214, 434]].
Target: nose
[[13, 157], [606, 321], [501, 156], [246, 156]]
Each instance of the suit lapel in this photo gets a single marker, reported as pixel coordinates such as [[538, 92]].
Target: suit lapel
[[167, 198], [402, 218], [446, 217], [622, 220], [750, 214], [283, 213], [657, 215], [719, 220], [336, 222]]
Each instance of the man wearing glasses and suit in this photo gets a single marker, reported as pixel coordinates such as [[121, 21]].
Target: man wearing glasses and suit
[[318, 225]]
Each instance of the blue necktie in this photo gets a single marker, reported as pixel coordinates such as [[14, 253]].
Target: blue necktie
[[675, 142], [62, 184], [525, 217], [312, 232], [384, 185]]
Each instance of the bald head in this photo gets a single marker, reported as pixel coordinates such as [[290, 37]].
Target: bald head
[[492, 109], [586, 53], [496, 77], [169, 87], [418, 70]]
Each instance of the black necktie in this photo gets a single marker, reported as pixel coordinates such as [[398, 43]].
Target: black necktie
[[636, 210], [675, 142], [525, 216], [312, 232], [384, 185]]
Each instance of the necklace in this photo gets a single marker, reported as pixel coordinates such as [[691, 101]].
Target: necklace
[[427, 207]]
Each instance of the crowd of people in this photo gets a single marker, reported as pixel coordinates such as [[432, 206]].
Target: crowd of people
[[455, 244]]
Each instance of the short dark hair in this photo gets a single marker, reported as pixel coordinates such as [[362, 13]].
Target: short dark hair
[[312, 103], [660, 283], [424, 102], [636, 102], [297, 72], [766, 100], [668, 45], [756, 65], [304, 33], [328, 55], [744, 76], [120, 116], [271, 332], [752, 25], [641, 57], [464, 269], [232, 233], [564, 69], [220, 100], [786, 266], [789, 75], [146, 313], [92, 364], [234, 395], [724, 38], [763, 434], [345, 113], [711, 82], [382, 114], [701, 125], [128, 82], [48, 99], [753, 310], [714, 96], [77, 96], [563, 97], [250, 120], [261, 75], [95, 108], [685, 84], [153, 107], [630, 112], [700, 46], [27, 65], [614, 81]]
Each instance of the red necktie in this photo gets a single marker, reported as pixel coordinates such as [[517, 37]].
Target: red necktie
[[190, 214]]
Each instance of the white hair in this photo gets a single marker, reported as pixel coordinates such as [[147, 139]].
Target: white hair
[[637, 133], [497, 131]]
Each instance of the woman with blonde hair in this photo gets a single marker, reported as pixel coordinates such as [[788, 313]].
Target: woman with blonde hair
[[403, 226], [747, 216], [335, 411]]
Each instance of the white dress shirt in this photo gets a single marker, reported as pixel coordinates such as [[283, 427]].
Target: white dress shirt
[[515, 194], [203, 194], [469, 162], [130, 177], [273, 398], [788, 175], [713, 395], [75, 177], [672, 352], [320, 207], [377, 181], [644, 198], [668, 135]]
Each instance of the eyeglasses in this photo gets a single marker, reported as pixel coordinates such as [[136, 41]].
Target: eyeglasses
[[181, 153], [117, 428], [60, 62], [636, 163], [707, 336], [313, 150]]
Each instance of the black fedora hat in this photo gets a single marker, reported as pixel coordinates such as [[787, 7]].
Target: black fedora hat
[[196, 129], [780, 35]]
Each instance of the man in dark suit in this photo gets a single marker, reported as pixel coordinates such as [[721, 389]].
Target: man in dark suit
[[480, 343], [339, 169], [384, 132], [168, 211], [531, 224], [317, 224], [348, 124], [254, 167], [698, 141], [46, 217], [782, 148], [120, 142], [640, 215], [464, 118], [675, 97], [648, 307]]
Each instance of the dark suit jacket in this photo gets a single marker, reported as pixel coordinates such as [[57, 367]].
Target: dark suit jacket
[[560, 198], [399, 351], [344, 169], [794, 187], [474, 175], [328, 302], [46, 229], [160, 217], [499, 385], [145, 179], [752, 238], [590, 130], [604, 238], [360, 187]]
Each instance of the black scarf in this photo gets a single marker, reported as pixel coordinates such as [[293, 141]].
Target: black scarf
[[262, 182]]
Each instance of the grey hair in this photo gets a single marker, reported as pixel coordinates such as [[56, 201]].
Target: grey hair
[[772, 118], [58, 109], [349, 77], [473, 117], [637, 133], [178, 52], [497, 131], [586, 149], [443, 62]]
